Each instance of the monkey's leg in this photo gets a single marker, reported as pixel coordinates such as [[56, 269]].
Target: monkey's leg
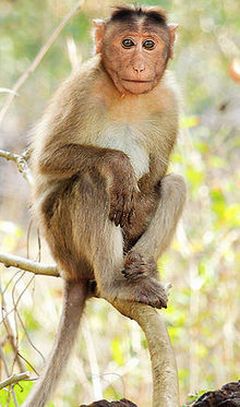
[[141, 260], [108, 263], [101, 244]]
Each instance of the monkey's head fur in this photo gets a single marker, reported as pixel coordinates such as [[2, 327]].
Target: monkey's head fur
[[135, 44]]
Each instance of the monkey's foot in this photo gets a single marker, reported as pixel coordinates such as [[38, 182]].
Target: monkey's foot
[[136, 267], [147, 291]]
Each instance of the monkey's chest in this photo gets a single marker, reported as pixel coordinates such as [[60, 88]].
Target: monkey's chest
[[131, 141]]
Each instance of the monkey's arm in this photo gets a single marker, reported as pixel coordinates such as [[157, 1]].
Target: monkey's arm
[[64, 161], [114, 166]]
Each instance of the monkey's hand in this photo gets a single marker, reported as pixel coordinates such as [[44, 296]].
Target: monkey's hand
[[122, 189]]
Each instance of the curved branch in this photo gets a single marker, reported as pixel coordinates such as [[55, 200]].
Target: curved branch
[[164, 370]]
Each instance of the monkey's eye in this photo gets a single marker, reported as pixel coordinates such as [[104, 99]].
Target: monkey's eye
[[148, 44], [127, 43]]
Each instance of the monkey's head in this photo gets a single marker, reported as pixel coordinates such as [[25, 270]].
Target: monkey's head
[[135, 44]]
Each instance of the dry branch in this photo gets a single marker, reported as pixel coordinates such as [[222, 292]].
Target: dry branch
[[9, 260], [38, 59], [20, 161], [15, 378]]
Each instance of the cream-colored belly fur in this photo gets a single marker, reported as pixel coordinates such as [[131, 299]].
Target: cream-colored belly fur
[[130, 140]]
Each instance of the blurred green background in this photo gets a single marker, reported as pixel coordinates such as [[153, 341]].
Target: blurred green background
[[110, 357]]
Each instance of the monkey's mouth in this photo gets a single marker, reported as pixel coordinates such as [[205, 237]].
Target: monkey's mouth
[[136, 81]]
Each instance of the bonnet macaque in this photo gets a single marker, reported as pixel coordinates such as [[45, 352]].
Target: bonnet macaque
[[105, 202]]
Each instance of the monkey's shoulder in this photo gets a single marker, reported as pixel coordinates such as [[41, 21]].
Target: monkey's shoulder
[[77, 86]]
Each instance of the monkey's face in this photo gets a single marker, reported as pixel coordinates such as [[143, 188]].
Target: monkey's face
[[135, 58]]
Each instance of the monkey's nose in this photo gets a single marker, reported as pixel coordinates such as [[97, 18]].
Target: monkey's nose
[[138, 68]]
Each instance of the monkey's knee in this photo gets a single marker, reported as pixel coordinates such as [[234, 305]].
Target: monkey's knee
[[173, 188]]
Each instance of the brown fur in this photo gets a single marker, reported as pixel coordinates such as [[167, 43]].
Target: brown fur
[[100, 159]]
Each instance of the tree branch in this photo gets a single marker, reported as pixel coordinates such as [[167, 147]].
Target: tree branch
[[21, 163], [22, 79], [15, 378], [164, 369], [9, 260]]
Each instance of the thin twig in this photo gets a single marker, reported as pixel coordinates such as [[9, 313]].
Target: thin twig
[[10, 281], [21, 163], [9, 260], [2, 357], [29, 340], [30, 365], [92, 357], [9, 330], [6, 90], [38, 59], [17, 314], [15, 378]]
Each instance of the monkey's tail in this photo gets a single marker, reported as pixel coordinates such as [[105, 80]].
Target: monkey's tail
[[74, 300]]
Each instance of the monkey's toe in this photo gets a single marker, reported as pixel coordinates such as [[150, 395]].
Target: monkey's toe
[[154, 294], [148, 291], [155, 301]]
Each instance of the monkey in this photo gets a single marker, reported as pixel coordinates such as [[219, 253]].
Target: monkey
[[102, 192]]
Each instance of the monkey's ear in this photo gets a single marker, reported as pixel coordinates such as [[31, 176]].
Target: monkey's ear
[[99, 27], [172, 32]]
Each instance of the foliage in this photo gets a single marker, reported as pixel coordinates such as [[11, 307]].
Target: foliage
[[203, 263]]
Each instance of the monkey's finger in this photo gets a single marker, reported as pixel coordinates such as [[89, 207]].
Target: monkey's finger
[[131, 216], [128, 210], [125, 212], [114, 209], [124, 219], [119, 212], [135, 276]]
